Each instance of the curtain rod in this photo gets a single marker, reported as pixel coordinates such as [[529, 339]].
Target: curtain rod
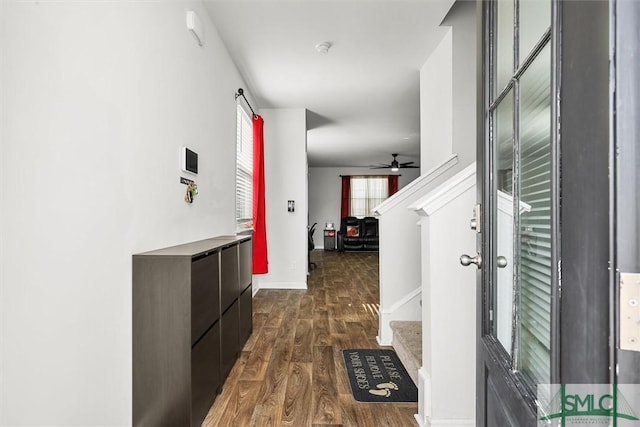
[[241, 93], [371, 175]]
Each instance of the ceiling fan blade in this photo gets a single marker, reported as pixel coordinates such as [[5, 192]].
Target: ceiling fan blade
[[405, 164], [409, 167], [379, 167]]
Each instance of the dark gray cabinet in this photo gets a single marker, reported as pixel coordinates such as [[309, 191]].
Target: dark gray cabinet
[[188, 302]]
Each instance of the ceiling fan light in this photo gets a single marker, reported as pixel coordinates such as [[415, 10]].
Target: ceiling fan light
[[394, 169]]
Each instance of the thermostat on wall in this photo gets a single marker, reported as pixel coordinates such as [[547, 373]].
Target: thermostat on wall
[[189, 161]]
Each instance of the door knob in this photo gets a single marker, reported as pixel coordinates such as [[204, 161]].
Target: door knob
[[466, 260], [502, 262]]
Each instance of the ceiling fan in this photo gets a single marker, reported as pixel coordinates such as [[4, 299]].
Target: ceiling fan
[[395, 165]]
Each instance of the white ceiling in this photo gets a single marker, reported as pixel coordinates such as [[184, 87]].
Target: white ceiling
[[363, 96]]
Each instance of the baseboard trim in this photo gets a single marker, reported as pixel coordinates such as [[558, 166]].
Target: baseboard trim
[[424, 396], [451, 423], [404, 300], [383, 344], [419, 421], [283, 285]]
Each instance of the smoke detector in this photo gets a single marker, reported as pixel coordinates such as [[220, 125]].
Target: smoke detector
[[323, 47]]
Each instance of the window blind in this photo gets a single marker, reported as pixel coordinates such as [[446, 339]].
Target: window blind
[[366, 193], [535, 225], [244, 169]]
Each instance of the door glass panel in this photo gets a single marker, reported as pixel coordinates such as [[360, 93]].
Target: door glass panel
[[535, 19], [503, 292], [503, 56], [535, 220]]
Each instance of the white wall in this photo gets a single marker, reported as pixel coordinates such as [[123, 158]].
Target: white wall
[[325, 186], [462, 18], [285, 152], [436, 105], [98, 98], [448, 93]]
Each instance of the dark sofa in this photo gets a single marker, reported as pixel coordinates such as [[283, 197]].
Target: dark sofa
[[358, 234]]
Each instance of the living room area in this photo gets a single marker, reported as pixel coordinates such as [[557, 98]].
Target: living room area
[[326, 201]]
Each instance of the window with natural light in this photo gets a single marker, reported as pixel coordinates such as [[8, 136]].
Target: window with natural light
[[244, 170], [366, 193]]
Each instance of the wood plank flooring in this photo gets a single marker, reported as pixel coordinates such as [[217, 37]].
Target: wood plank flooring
[[291, 371]]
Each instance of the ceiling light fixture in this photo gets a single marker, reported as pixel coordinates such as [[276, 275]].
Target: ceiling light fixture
[[323, 47]]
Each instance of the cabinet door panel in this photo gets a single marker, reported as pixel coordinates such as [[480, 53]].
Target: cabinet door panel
[[229, 339], [205, 374], [245, 264], [205, 299], [246, 318], [229, 289]]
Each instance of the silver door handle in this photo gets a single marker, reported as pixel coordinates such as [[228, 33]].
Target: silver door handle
[[466, 260], [502, 262]]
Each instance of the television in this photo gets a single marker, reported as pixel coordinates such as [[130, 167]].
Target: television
[[189, 161]]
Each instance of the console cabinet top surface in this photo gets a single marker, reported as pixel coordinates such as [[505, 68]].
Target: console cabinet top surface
[[193, 249]]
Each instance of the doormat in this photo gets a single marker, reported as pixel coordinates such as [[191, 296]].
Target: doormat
[[377, 376]]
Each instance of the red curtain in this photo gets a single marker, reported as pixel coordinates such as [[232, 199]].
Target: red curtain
[[345, 204], [260, 262], [393, 185]]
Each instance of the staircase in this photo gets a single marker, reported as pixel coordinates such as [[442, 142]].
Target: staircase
[[407, 342], [400, 256]]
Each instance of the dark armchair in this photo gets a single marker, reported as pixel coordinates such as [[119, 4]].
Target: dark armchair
[[358, 234]]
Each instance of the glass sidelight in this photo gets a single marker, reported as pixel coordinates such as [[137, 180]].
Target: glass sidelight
[[521, 164], [503, 165], [534, 302]]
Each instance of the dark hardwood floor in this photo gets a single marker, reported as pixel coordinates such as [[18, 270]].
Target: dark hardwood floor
[[291, 371]]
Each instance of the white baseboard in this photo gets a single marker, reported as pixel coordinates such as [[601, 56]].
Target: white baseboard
[[451, 423], [443, 423], [386, 342], [283, 285], [419, 421], [382, 344], [424, 397]]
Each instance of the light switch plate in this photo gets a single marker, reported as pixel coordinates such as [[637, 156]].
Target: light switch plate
[[630, 311]]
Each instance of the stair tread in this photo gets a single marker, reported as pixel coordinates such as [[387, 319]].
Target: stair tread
[[407, 341], [409, 335]]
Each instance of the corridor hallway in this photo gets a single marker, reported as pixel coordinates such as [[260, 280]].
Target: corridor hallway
[[291, 371]]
